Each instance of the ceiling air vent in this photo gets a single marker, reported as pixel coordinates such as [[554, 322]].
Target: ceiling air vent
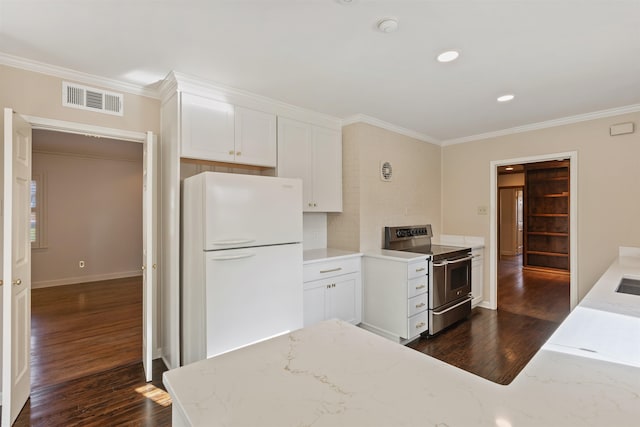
[[92, 99]]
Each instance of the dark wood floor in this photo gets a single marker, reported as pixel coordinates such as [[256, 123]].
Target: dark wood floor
[[497, 344], [86, 351], [86, 347]]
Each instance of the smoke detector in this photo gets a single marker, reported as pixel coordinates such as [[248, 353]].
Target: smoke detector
[[386, 171], [388, 25]]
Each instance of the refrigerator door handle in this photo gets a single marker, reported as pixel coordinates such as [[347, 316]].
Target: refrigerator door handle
[[232, 242], [233, 256]]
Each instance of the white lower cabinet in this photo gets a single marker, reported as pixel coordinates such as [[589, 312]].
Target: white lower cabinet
[[396, 297], [477, 275], [338, 294]]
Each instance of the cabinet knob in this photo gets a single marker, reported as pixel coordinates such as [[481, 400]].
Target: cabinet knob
[[315, 205], [231, 152], [421, 287], [310, 204], [238, 153], [17, 282], [420, 325], [420, 305]]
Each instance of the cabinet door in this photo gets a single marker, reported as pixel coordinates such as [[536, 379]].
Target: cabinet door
[[255, 137], [327, 170], [477, 276], [341, 299], [294, 155], [314, 301], [207, 129]]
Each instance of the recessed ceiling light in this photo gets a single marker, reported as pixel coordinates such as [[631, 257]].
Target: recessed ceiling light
[[509, 168], [346, 2], [448, 56], [506, 98], [388, 25]]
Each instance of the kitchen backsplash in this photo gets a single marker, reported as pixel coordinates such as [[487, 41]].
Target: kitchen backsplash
[[314, 233]]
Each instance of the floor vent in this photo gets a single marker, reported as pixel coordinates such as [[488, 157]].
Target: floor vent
[[92, 99]]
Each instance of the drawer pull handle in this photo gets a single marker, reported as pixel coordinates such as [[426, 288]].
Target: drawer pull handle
[[420, 269], [420, 325], [421, 287], [420, 305], [331, 270]]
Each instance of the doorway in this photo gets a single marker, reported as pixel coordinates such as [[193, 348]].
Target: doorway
[[571, 215], [86, 225]]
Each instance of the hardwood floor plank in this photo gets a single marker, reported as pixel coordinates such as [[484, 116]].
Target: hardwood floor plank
[[86, 365], [497, 344]]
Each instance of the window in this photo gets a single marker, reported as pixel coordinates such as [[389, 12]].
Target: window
[[37, 220]]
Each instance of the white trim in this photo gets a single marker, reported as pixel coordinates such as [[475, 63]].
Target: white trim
[[85, 279], [363, 118], [85, 129], [66, 73], [547, 124], [573, 222]]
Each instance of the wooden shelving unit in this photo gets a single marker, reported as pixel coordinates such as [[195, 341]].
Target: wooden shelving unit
[[546, 219]]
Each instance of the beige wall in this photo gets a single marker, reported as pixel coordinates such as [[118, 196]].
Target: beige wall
[[40, 95], [93, 209], [608, 181], [511, 180], [369, 204]]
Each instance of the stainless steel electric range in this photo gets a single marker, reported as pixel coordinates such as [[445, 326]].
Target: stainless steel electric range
[[449, 276]]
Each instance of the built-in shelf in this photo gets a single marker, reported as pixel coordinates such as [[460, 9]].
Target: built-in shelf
[[548, 253], [547, 233], [546, 219]]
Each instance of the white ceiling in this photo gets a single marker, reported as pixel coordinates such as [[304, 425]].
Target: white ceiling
[[559, 57]]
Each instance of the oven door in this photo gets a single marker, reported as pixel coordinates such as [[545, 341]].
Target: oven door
[[451, 280]]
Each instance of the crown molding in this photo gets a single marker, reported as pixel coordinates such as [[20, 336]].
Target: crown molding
[[76, 76], [547, 124], [363, 118], [177, 81]]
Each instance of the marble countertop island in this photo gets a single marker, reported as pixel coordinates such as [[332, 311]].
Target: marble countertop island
[[336, 374]]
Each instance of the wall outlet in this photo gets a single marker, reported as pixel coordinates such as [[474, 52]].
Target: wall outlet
[[483, 210], [81, 264]]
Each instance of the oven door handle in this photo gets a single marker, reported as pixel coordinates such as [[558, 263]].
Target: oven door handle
[[455, 261], [469, 298]]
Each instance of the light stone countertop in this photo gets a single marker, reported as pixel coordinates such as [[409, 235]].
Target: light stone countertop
[[396, 255], [335, 374], [323, 254]]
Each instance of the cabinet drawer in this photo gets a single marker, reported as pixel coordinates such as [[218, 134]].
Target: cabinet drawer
[[321, 270], [417, 324], [417, 304], [417, 286], [416, 269]]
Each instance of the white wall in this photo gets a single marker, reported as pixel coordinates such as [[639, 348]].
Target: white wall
[[608, 207], [370, 204], [93, 208]]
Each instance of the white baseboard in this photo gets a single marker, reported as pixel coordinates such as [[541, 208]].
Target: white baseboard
[[84, 279]]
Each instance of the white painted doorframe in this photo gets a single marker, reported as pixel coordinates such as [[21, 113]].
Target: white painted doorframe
[[124, 135], [573, 222]]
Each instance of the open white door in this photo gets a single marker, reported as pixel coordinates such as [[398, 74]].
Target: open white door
[[16, 266], [149, 238]]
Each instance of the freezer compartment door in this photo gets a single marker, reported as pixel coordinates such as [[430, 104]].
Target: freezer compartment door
[[252, 294], [249, 210]]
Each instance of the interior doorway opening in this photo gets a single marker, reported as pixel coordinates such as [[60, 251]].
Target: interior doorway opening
[[86, 228], [571, 255], [533, 239]]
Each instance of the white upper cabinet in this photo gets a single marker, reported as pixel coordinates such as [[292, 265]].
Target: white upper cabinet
[[255, 138], [314, 154], [218, 131]]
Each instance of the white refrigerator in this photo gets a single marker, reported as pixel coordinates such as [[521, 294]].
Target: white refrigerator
[[241, 261]]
